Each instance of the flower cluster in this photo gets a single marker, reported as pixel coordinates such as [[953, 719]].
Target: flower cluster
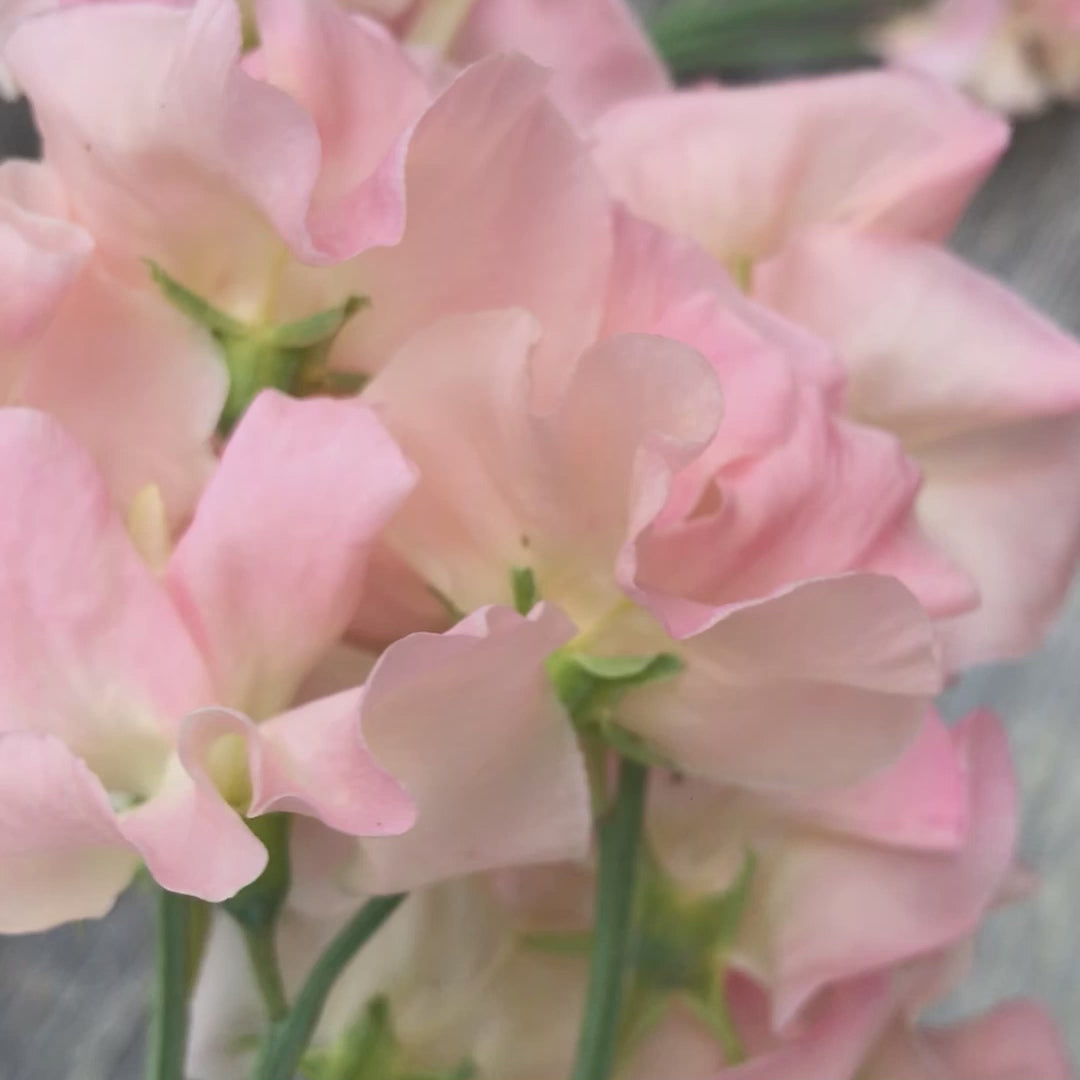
[[441, 457], [1016, 55]]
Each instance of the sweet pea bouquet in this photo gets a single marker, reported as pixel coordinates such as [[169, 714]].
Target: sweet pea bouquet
[[483, 534]]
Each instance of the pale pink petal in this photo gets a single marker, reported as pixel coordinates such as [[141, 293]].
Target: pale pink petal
[[508, 484], [663, 284], [40, 252], [364, 95], [946, 40], [828, 909], [470, 725], [270, 571], [921, 802], [596, 49], [983, 390], [91, 649], [504, 209], [880, 150], [314, 761], [832, 1041], [1015, 1041], [175, 154], [137, 383], [933, 347], [192, 840], [983, 492], [61, 854], [816, 686]]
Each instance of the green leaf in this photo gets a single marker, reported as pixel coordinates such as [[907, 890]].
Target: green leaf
[[523, 587]]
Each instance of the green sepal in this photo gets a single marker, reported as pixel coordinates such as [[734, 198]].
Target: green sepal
[[556, 943], [523, 587], [315, 329], [290, 357], [369, 1050], [194, 306], [590, 688]]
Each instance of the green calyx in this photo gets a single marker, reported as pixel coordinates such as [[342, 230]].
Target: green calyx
[[290, 357], [591, 687], [370, 1050], [678, 951]]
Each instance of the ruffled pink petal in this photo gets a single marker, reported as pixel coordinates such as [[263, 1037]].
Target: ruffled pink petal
[[191, 839], [91, 649], [508, 484], [178, 154], [40, 252], [818, 685], [921, 802], [832, 1041], [1015, 1041], [61, 854], [270, 571], [986, 394], [596, 49], [364, 96], [314, 761], [504, 210], [470, 725], [830, 910], [831, 497], [881, 150]]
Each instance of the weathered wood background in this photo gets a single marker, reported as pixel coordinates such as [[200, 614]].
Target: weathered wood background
[[72, 1001]]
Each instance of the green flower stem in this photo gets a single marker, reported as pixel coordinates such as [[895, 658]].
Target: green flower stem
[[289, 1037], [262, 952], [177, 924], [619, 841]]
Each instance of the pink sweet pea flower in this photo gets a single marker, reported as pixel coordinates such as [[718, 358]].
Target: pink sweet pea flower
[[861, 1031], [110, 751], [829, 211], [523, 470], [139, 385], [318, 167]]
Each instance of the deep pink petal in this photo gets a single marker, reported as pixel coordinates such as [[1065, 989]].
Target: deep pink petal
[[364, 96], [830, 910], [922, 802]]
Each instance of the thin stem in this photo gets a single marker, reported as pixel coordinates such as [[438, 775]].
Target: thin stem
[[289, 1037], [168, 1026], [619, 841], [262, 951]]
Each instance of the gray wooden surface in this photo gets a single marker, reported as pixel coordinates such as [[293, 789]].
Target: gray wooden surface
[[72, 1001]]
